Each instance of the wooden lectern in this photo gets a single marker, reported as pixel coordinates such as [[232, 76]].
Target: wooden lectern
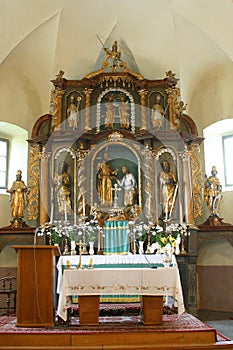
[[35, 285]]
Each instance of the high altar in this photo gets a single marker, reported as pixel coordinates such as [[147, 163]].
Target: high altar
[[107, 146]]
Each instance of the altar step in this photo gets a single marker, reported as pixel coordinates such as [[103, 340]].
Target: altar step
[[115, 341], [174, 333]]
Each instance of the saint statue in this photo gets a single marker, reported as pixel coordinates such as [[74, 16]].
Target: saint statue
[[62, 183], [128, 183], [105, 176], [213, 192], [110, 112], [18, 191], [123, 109], [72, 112], [168, 185], [157, 113], [114, 56]]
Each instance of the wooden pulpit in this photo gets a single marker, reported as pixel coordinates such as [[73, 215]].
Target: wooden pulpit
[[35, 285]]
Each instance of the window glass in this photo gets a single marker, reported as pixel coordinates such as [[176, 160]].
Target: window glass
[[227, 158], [3, 162]]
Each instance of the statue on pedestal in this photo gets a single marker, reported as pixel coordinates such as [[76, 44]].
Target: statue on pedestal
[[62, 183], [168, 188], [18, 193], [213, 192], [128, 183]]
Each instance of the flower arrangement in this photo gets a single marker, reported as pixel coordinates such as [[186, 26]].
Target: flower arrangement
[[167, 237], [55, 232]]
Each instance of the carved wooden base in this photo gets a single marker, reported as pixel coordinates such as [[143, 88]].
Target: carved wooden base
[[17, 223], [215, 220]]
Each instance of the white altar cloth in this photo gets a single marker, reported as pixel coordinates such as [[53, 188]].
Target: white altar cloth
[[108, 261], [156, 282]]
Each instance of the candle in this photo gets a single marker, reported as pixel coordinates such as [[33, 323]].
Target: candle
[[51, 215], [83, 205], [166, 210], [181, 214], [65, 210]]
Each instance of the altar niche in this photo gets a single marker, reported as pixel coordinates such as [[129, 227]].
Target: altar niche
[[115, 110], [116, 177]]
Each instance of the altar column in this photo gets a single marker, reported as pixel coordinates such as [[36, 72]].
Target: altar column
[[143, 94], [60, 94], [44, 188], [149, 175], [88, 106], [187, 187]]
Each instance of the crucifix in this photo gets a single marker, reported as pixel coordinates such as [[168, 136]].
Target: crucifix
[[81, 246], [115, 191]]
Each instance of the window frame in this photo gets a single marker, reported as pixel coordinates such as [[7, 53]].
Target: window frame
[[7, 163], [225, 161]]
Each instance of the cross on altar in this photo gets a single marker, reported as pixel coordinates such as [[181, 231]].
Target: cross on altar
[[115, 191], [82, 246]]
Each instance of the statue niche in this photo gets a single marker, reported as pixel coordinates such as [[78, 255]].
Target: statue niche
[[115, 110], [115, 177]]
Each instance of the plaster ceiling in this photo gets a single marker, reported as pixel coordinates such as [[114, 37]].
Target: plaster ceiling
[[41, 37]]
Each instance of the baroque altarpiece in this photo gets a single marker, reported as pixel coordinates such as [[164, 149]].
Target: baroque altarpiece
[[111, 121]]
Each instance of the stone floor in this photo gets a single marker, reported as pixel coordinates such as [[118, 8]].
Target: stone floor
[[221, 321]]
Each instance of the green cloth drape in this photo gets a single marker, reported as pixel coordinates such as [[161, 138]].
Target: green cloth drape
[[116, 238]]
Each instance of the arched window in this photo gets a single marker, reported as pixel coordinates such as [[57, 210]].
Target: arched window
[[14, 156], [218, 145], [4, 154], [227, 159]]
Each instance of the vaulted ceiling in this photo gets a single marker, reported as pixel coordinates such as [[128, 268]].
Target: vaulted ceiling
[[40, 37]]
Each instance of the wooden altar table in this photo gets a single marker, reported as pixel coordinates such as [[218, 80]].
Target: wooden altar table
[[151, 284]]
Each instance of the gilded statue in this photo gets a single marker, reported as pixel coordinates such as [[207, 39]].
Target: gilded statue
[[157, 113], [62, 183], [104, 183], [18, 192], [113, 55], [168, 185], [179, 108], [213, 192]]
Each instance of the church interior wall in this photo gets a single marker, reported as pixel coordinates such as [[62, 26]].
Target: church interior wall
[[19, 100], [211, 99], [215, 270]]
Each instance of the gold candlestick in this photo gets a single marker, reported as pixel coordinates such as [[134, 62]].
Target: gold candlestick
[[81, 245], [182, 251]]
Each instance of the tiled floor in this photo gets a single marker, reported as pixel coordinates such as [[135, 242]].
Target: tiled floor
[[221, 321]]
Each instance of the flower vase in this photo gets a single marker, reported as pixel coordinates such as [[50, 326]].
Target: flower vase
[[73, 247], [141, 250], [91, 251], [167, 258], [178, 240]]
